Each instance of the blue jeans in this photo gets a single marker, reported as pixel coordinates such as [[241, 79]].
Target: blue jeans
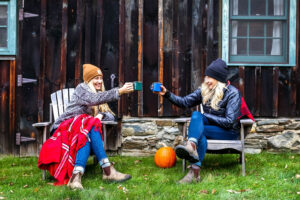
[[95, 144], [200, 130]]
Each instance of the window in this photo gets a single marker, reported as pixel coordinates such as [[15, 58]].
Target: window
[[8, 31], [259, 32]]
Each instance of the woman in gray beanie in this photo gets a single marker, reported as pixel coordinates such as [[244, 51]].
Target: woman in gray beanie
[[221, 104]]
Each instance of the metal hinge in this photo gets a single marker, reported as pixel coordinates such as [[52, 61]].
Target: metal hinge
[[22, 80], [23, 14]]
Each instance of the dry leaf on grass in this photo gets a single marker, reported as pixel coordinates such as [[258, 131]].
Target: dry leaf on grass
[[298, 193], [36, 189], [11, 183], [101, 188], [285, 166], [204, 191], [213, 191], [237, 192], [26, 186], [14, 164], [11, 191], [120, 187], [2, 197], [49, 183], [137, 161], [297, 176], [262, 178]]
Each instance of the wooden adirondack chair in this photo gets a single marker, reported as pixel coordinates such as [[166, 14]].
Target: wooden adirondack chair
[[222, 146], [59, 102]]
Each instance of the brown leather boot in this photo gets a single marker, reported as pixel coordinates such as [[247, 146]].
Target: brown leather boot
[[75, 181], [193, 175], [112, 175], [188, 151]]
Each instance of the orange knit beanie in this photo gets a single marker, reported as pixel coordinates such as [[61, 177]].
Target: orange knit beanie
[[90, 71]]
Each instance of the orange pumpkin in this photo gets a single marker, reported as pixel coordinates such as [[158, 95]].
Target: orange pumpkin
[[165, 157]]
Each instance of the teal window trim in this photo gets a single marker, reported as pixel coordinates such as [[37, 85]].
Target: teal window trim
[[11, 27], [290, 29]]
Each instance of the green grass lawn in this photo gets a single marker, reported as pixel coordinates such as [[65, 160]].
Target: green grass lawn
[[269, 176]]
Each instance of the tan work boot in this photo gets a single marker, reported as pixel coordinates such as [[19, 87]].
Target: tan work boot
[[187, 151], [114, 175], [193, 176], [75, 181]]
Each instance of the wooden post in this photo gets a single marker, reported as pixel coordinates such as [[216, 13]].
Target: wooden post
[[99, 31], [63, 44], [12, 103], [275, 91], [79, 24], [140, 55], [121, 53], [160, 50]]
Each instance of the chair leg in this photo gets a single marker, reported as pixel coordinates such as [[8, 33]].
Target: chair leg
[[44, 175], [183, 165], [243, 163]]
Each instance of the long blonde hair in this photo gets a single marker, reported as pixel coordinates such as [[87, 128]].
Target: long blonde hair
[[102, 107], [212, 96]]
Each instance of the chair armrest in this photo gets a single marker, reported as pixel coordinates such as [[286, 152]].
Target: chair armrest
[[182, 119], [109, 122], [246, 122], [41, 124]]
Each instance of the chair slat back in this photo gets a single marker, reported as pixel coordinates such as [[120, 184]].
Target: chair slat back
[[60, 100]]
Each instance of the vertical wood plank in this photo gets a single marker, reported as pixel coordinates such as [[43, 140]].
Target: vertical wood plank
[[241, 80], [99, 31], [175, 60], [140, 54], [12, 103], [250, 88], [160, 50], [43, 60], [63, 44], [80, 8], [87, 32], [258, 90], [210, 31], [275, 91], [266, 97], [197, 43], [167, 51], [122, 102], [150, 56]]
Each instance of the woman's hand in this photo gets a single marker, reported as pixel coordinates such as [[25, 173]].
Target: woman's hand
[[99, 116], [162, 92], [127, 88]]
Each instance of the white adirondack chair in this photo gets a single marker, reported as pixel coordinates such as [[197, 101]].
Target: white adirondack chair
[[59, 102], [222, 146]]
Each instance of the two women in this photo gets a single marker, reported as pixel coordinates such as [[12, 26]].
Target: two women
[[77, 132], [221, 104]]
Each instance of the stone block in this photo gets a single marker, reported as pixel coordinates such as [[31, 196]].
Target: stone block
[[293, 126], [269, 128], [134, 144], [252, 151], [268, 122], [284, 121], [288, 140], [164, 123]]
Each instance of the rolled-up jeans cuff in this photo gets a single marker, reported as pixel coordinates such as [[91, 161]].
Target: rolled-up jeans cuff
[[78, 169], [197, 163], [194, 140]]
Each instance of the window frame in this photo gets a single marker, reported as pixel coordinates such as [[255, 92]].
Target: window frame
[[11, 28], [289, 29]]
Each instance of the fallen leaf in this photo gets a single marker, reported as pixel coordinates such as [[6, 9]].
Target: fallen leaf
[[11, 191], [262, 178], [285, 166], [297, 176], [233, 191], [137, 161], [298, 192], [2, 198], [11, 183], [1, 192], [26, 186], [244, 190], [101, 188], [213, 191], [49, 183], [145, 174], [36, 189], [204, 191], [292, 157], [14, 164]]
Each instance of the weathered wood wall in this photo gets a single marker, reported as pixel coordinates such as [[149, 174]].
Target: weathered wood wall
[[171, 41]]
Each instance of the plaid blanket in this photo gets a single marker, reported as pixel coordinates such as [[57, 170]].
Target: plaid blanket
[[58, 153]]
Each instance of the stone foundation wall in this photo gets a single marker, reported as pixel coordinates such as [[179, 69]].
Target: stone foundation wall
[[143, 136]]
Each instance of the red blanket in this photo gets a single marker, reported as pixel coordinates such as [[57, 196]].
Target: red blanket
[[58, 153]]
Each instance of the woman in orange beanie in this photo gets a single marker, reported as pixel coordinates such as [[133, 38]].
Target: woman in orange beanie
[[78, 131]]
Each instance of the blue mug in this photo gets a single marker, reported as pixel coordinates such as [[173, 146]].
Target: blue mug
[[155, 87]]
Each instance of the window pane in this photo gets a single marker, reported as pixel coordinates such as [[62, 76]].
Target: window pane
[[256, 46], [240, 7], [274, 47], [276, 7], [3, 37], [274, 29], [238, 28], [258, 7], [238, 46], [3, 15], [256, 29]]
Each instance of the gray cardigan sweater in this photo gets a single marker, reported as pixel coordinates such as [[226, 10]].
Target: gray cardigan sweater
[[82, 101]]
